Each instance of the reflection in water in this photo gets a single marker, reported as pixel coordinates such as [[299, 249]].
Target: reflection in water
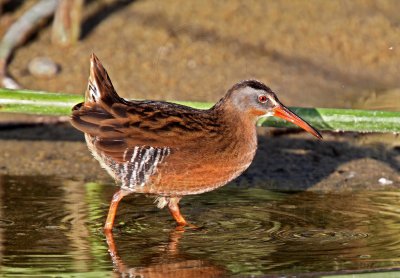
[[75, 204], [169, 262], [1, 221], [52, 226]]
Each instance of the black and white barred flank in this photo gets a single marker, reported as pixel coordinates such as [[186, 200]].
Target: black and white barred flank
[[140, 163]]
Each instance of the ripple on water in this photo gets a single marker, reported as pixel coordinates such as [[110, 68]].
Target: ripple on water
[[56, 225], [316, 232]]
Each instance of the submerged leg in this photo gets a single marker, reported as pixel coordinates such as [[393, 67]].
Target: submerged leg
[[174, 210], [113, 208]]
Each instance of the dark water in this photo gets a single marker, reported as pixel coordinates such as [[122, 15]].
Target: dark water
[[50, 226]]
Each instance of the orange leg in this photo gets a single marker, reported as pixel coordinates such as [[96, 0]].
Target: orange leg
[[174, 210], [113, 209]]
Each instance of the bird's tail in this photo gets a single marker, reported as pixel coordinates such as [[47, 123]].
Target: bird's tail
[[100, 90], [100, 101]]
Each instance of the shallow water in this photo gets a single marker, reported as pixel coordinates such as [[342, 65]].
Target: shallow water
[[53, 226]]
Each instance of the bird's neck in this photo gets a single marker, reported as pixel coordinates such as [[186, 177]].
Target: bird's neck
[[238, 126]]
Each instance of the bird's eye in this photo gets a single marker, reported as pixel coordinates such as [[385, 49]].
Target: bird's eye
[[262, 98]]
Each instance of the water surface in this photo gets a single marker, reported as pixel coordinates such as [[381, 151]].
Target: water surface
[[53, 226]]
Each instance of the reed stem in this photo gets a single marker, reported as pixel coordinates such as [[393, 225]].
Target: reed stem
[[46, 103]]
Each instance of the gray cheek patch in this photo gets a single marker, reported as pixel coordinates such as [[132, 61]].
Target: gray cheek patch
[[249, 93]]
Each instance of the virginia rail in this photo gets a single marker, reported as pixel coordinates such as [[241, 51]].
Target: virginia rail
[[171, 150]]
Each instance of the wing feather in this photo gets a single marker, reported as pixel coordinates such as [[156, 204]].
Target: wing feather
[[132, 138]]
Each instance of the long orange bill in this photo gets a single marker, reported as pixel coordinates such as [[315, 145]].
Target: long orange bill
[[284, 113]]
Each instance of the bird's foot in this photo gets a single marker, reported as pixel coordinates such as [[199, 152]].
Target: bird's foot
[[187, 226]]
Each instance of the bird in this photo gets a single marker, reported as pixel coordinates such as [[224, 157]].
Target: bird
[[169, 150]]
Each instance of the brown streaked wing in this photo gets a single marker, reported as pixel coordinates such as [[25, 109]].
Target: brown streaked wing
[[153, 129], [155, 124]]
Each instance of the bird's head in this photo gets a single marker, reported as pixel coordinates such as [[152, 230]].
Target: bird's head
[[256, 100]]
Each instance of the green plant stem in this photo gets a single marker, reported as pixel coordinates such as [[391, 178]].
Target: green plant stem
[[46, 103]]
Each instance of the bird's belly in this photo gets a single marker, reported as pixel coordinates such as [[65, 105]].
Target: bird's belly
[[184, 173], [197, 177]]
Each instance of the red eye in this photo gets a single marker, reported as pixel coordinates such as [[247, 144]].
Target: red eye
[[262, 98]]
